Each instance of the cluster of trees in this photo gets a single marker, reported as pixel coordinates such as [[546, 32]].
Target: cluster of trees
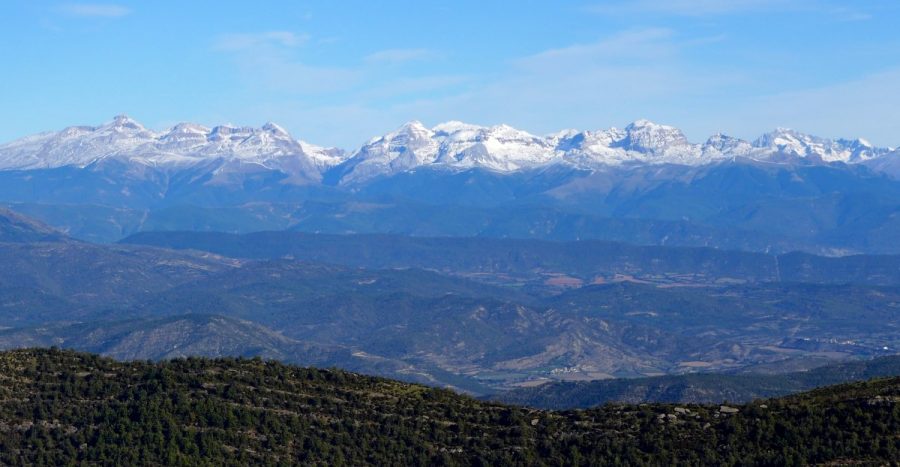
[[60, 407]]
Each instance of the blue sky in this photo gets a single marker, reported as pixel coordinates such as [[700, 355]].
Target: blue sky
[[337, 73]]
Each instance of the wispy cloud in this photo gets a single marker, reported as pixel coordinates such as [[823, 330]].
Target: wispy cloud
[[246, 41], [280, 60], [94, 10], [399, 55], [273, 60], [631, 46], [650, 72], [872, 102], [634, 73], [412, 86], [841, 11], [297, 77], [685, 7], [624, 76]]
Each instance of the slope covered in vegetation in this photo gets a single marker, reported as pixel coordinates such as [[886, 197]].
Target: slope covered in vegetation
[[58, 407]]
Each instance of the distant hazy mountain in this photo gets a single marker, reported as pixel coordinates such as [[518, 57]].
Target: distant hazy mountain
[[501, 148], [698, 388], [223, 151], [471, 313], [436, 326], [15, 228], [644, 184], [537, 262], [228, 151]]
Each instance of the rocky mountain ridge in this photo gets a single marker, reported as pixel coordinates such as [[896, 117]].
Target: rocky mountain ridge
[[225, 150]]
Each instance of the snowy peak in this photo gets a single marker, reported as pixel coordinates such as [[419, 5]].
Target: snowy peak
[[860, 150], [185, 132], [407, 147], [275, 130], [499, 147], [185, 144], [228, 133], [124, 123], [641, 142], [458, 145], [412, 142], [409, 134], [794, 143], [453, 126], [323, 158], [646, 136], [188, 128], [788, 142], [650, 134], [721, 145], [452, 145]]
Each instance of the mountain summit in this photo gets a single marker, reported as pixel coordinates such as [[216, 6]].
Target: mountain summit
[[227, 148], [502, 148], [228, 151]]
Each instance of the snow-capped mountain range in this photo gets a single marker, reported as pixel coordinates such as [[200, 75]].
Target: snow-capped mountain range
[[229, 149]]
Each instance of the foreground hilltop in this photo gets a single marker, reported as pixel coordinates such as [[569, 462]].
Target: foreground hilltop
[[60, 407]]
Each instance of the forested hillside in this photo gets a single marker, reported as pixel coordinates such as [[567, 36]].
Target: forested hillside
[[59, 407]]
